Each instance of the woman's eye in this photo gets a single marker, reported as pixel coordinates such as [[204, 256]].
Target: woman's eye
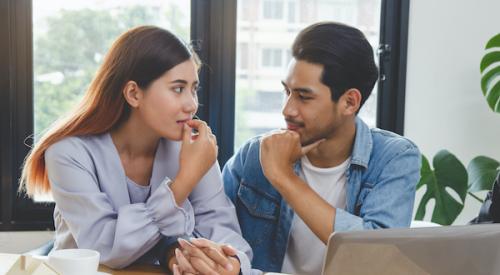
[[196, 90], [178, 90]]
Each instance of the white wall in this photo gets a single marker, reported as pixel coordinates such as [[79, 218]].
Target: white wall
[[445, 108]]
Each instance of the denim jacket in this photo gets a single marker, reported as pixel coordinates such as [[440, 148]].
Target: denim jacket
[[381, 182]]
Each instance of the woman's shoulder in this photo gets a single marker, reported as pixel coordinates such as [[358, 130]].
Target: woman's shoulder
[[75, 146]]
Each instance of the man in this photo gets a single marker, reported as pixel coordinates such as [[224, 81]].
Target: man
[[327, 172]]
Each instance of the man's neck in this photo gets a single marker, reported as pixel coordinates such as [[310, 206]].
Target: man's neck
[[334, 150]]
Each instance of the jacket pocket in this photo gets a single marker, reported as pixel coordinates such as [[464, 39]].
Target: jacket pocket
[[258, 203]]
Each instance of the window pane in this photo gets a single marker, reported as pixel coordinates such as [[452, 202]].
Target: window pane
[[70, 39], [271, 9], [259, 95]]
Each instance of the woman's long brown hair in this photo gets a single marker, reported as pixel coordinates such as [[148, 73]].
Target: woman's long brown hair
[[142, 55]]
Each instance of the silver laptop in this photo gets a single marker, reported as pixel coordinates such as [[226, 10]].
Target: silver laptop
[[454, 250]]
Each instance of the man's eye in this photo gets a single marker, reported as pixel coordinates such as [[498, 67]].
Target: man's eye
[[304, 97], [178, 90]]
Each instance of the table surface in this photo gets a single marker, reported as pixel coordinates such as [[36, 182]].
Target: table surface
[[8, 260]]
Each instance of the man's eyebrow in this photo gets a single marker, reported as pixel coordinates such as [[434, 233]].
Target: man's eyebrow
[[299, 89]]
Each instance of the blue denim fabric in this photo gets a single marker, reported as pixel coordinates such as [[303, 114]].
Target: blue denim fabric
[[381, 182]]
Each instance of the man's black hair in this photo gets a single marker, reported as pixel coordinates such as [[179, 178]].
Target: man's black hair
[[346, 56]]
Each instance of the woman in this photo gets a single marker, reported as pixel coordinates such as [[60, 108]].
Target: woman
[[124, 169]]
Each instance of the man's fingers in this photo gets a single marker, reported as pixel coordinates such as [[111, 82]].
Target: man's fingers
[[311, 146]]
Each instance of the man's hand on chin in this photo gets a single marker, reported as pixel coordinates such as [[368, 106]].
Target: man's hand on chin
[[278, 153]]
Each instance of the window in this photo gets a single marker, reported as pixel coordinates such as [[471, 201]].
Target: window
[[292, 11], [272, 9], [272, 58], [243, 56]]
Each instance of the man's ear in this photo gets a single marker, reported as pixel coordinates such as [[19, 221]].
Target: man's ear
[[351, 101], [132, 94]]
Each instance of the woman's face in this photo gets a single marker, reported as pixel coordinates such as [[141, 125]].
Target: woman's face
[[171, 100]]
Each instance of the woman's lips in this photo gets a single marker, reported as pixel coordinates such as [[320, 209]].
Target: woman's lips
[[181, 122], [293, 127]]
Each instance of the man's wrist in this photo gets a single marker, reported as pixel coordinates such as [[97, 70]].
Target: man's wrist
[[282, 178]]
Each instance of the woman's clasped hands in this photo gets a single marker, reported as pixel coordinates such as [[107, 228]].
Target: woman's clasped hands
[[202, 256]]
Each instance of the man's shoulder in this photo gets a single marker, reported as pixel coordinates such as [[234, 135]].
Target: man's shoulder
[[246, 159], [250, 148], [388, 146], [388, 141]]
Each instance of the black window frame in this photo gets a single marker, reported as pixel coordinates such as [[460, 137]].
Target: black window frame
[[213, 31], [392, 54]]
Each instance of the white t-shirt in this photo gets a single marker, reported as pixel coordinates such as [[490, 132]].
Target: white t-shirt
[[305, 251]]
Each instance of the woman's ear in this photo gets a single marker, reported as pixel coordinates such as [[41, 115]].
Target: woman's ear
[[132, 94], [351, 101]]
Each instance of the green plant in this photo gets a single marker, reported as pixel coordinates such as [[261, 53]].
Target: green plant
[[490, 70], [449, 174]]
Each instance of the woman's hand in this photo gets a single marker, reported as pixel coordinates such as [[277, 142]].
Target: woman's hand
[[198, 153], [202, 256]]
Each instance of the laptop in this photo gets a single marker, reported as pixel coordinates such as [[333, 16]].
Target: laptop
[[454, 250]]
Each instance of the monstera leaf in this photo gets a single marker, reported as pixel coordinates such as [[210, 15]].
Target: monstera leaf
[[482, 173], [490, 73], [448, 172]]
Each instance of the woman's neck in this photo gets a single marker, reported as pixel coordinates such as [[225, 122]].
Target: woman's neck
[[133, 139]]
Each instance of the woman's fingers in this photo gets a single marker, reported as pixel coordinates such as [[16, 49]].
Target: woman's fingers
[[194, 251], [229, 250], [183, 262], [186, 134], [175, 270], [213, 251], [199, 125], [202, 266]]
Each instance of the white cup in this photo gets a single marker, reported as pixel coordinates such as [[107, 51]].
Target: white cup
[[74, 261]]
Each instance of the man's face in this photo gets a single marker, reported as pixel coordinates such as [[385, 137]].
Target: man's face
[[308, 108]]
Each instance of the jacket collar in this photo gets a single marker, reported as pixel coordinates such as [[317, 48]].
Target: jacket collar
[[363, 144]]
